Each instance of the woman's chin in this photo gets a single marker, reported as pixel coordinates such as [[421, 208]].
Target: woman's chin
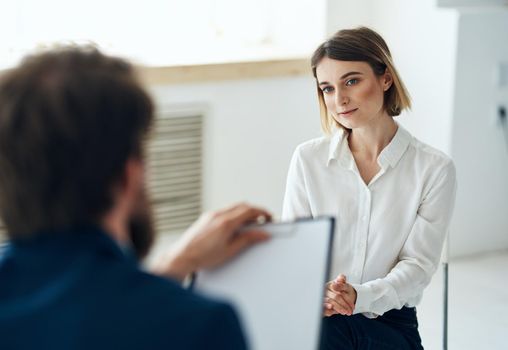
[[348, 123]]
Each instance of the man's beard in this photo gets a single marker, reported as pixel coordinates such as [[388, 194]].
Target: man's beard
[[141, 226]]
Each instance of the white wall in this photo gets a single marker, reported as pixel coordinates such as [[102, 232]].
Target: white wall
[[342, 14], [422, 39], [478, 148], [251, 130]]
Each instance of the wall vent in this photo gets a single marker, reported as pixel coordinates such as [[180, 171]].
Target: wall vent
[[175, 170]]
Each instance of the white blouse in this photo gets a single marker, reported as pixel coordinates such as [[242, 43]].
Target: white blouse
[[390, 233]]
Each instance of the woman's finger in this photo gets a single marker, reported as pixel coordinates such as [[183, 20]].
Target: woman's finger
[[328, 310], [346, 290], [339, 286], [341, 278], [339, 305], [335, 288], [348, 298], [330, 294]]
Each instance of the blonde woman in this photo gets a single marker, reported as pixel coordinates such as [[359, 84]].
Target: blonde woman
[[392, 195]]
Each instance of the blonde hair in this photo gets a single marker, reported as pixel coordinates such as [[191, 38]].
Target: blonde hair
[[365, 45]]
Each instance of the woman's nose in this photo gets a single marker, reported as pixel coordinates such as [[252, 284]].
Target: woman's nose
[[341, 99]]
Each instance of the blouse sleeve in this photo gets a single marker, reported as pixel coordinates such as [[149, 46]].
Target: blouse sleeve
[[420, 255], [296, 202]]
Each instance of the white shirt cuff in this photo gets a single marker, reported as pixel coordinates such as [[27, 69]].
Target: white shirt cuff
[[363, 300]]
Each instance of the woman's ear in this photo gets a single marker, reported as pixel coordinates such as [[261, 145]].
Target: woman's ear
[[387, 80]]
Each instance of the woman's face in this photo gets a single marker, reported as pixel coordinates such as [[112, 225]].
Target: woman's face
[[353, 94]]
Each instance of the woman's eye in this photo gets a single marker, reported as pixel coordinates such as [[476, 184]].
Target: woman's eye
[[327, 89], [351, 82]]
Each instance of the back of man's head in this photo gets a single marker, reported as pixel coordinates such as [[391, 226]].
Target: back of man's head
[[69, 120]]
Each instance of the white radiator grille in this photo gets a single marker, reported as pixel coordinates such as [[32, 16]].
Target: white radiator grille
[[174, 172]]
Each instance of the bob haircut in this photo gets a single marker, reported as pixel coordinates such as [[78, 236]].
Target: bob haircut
[[365, 45]]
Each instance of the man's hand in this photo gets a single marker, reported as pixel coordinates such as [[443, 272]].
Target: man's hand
[[213, 240], [340, 297]]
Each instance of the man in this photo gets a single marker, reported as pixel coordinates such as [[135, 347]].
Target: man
[[73, 198]]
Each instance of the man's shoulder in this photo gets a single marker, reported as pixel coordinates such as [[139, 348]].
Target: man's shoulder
[[117, 305], [194, 315], [160, 294], [166, 313]]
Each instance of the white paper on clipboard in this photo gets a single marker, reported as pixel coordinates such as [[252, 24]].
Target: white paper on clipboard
[[277, 287]]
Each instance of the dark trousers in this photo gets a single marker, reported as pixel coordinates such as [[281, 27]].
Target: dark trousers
[[396, 329]]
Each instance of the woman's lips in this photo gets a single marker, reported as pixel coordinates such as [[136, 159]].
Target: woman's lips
[[348, 113]]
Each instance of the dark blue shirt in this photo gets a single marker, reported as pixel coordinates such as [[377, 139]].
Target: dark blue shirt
[[79, 290]]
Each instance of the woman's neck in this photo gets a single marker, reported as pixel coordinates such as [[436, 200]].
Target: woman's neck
[[369, 141]]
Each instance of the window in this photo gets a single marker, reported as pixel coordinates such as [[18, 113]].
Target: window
[[166, 32]]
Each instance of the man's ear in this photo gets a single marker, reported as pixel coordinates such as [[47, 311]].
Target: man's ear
[[126, 194], [126, 190], [134, 177]]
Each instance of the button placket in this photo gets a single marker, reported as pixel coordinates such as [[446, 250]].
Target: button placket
[[364, 233]]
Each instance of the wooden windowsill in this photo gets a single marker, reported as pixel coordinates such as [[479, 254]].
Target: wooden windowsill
[[224, 71]]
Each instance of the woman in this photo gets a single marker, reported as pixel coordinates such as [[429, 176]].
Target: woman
[[392, 196]]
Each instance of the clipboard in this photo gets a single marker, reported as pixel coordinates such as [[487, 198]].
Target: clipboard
[[277, 287]]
